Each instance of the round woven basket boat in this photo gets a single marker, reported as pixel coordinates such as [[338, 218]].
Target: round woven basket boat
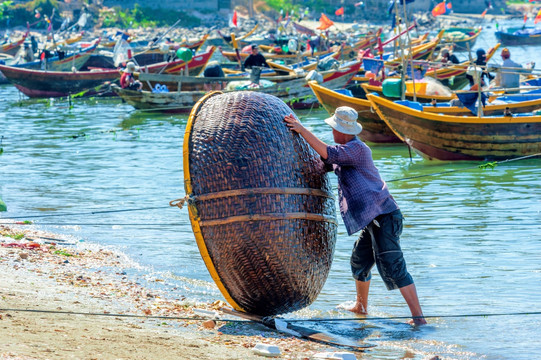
[[260, 203]]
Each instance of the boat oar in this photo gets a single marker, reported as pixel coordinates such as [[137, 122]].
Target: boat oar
[[236, 47]]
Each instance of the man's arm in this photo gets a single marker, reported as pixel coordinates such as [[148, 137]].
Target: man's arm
[[319, 146]]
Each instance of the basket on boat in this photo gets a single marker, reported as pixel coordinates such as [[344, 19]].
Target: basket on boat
[[260, 203]]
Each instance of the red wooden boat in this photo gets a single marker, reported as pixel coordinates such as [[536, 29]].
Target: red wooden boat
[[38, 83]]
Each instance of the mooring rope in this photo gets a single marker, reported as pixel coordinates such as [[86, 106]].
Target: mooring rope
[[481, 166], [203, 318], [180, 202]]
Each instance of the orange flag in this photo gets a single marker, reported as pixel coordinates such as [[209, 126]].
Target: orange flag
[[537, 17], [525, 18], [324, 22], [439, 9], [339, 11], [484, 13]]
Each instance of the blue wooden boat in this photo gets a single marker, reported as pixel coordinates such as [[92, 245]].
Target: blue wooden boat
[[519, 36]]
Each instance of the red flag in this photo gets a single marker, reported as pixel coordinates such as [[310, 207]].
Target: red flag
[[339, 11], [234, 19], [484, 13], [324, 22], [537, 17], [439, 9], [525, 18]]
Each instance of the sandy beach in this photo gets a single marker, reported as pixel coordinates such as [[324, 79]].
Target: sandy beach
[[53, 279]]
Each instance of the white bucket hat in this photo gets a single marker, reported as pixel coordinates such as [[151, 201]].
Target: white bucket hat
[[130, 68], [344, 120]]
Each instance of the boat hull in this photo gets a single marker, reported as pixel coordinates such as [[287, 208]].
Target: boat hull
[[508, 39], [36, 83], [444, 137]]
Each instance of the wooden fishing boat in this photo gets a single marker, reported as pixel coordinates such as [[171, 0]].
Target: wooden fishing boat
[[155, 54], [39, 83], [419, 52], [448, 137], [410, 95], [519, 36], [293, 90], [13, 47], [461, 39], [75, 60], [65, 42], [195, 65], [287, 58], [454, 76], [376, 130]]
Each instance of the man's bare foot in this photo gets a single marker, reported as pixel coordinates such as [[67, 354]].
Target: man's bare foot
[[358, 309], [417, 321]]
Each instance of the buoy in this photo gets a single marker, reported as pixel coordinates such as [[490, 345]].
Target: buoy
[[184, 54]]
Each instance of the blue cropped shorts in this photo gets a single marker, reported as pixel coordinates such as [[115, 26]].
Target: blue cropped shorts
[[379, 244]]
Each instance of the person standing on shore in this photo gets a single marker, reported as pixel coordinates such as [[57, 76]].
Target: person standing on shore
[[367, 206]]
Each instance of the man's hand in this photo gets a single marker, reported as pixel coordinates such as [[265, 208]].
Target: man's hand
[[293, 123]]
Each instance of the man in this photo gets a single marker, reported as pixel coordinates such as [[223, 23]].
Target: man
[[367, 206], [255, 59], [481, 61], [509, 78], [447, 57], [127, 81], [213, 70]]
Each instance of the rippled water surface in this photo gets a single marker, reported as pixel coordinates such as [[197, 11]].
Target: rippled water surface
[[472, 237]]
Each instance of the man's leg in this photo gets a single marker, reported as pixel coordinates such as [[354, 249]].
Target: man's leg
[[362, 261], [361, 303], [409, 293]]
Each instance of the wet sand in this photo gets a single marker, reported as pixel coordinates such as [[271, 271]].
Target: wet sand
[[44, 275]]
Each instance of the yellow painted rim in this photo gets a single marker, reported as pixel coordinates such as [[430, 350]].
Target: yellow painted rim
[[194, 218], [376, 101]]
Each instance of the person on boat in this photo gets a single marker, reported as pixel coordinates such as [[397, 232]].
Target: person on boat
[[481, 60], [447, 57], [509, 78], [127, 81], [213, 70], [255, 59], [366, 206]]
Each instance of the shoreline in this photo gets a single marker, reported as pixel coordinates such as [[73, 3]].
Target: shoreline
[[59, 279]]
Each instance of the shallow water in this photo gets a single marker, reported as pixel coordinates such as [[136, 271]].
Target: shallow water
[[471, 238]]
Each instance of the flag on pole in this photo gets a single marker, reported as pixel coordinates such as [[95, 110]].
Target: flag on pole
[[339, 11], [525, 18], [484, 13], [439, 9], [324, 22], [537, 17], [234, 19]]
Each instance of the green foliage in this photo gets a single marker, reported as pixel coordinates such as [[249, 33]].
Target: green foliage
[[146, 17], [20, 14]]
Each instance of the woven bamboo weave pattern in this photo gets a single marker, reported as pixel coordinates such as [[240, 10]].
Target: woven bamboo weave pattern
[[263, 202]]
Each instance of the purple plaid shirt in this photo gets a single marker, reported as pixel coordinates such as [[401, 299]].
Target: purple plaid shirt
[[362, 193]]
